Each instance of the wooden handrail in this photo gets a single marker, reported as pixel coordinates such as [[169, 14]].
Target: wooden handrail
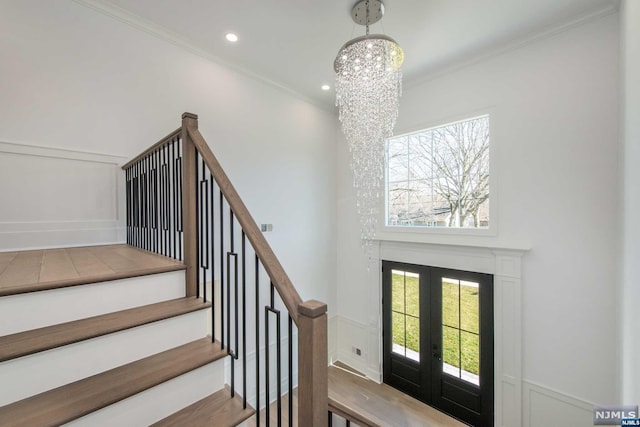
[[350, 414], [271, 264], [167, 139], [310, 317]]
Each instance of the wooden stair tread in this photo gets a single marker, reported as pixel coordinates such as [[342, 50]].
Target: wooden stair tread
[[36, 340], [74, 400], [45, 269], [65, 283], [218, 409]]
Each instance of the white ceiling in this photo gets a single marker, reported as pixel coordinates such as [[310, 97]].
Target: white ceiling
[[293, 43]]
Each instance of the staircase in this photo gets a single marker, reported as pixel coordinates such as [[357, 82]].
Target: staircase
[[193, 322], [123, 348]]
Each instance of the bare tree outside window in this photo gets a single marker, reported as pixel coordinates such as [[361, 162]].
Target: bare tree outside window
[[439, 177]]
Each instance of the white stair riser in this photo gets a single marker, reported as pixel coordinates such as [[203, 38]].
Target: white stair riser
[[33, 310], [158, 402], [46, 370]]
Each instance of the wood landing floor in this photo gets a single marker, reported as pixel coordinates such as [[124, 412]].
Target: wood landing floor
[[381, 404], [36, 270]]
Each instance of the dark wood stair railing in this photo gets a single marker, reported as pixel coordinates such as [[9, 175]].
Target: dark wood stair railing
[[173, 209]]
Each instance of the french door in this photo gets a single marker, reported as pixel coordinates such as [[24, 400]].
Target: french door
[[438, 338]]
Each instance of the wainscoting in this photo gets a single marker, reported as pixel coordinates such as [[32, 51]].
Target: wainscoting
[[543, 407], [53, 197]]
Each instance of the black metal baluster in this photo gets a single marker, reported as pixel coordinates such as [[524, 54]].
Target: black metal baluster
[[128, 207], [141, 204], [164, 168], [131, 208], [278, 361], [156, 208], [145, 182], [212, 261], [267, 379], [330, 419], [348, 423], [231, 351], [244, 322], [290, 373], [177, 196], [163, 205], [167, 201], [276, 312], [132, 213], [152, 202], [173, 193], [235, 293], [198, 191], [138, 204], [257, 350], [180, 229], [222, 282], [204, 229]]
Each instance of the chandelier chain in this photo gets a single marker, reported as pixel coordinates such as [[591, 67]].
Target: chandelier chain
[[367, 7]]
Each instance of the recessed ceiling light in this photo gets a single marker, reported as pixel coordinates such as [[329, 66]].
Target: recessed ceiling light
[[231, 37], [325, 87]]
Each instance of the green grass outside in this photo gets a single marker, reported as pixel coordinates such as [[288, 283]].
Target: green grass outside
[[464, 316]]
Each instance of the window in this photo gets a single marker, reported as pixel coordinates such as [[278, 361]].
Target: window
[[439, 177]]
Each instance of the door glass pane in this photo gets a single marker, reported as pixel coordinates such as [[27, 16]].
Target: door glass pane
[[469, 307], [451, 351], [397, 291], [461, 329], [405, 314], [412, 286], [450, 306], [413, 338], [398, 327]]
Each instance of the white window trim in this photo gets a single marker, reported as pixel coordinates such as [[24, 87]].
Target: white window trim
[[462, 236]]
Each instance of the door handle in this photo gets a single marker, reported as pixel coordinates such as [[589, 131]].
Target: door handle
[[437, 355]]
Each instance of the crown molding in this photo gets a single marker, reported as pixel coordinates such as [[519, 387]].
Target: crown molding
[[528, 39], [122, 15]]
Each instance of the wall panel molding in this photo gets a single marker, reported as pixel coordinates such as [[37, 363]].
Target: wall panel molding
[[545, 407], [55, 197]]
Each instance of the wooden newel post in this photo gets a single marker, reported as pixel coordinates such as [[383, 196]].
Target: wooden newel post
[[313, 382], [189, 208]]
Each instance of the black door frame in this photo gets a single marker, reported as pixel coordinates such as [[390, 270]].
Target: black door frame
[[431, 385]]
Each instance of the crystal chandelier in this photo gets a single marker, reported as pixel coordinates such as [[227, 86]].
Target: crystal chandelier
[[368, 88]]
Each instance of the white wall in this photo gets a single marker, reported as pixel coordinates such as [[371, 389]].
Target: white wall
[[630, 89], [72, 78], [554, 106]]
